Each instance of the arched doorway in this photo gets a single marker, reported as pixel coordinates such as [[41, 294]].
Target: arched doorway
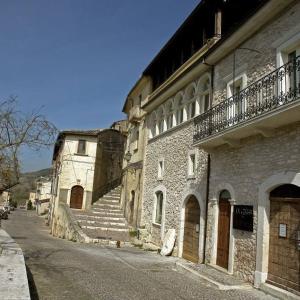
[[223, 229], [76, 197], [284, 243], [191, 230]]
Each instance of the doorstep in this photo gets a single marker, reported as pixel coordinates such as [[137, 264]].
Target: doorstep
[[220, 279], [278, 292]]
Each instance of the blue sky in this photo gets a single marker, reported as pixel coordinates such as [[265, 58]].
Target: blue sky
[[79, 59]]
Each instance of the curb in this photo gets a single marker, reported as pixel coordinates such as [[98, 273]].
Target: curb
[[217, 284], [13, 275]]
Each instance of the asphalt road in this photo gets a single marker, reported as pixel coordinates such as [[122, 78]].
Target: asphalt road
[[59, 269]]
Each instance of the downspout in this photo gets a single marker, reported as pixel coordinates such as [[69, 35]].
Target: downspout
[[208, 170]]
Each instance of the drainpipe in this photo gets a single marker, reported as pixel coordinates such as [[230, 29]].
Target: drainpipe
[[208, 170]]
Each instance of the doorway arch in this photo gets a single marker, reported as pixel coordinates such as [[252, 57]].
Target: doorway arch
[[191, 230], [284, 237], [263, 216], [76, 198]]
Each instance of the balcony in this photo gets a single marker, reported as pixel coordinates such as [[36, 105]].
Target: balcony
[[271, 102]]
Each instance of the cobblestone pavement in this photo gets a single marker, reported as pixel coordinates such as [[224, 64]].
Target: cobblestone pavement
[[60, 269]]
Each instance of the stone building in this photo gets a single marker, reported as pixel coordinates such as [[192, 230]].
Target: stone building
[[252, 136], [84, 164], [132, 179], [222, 139], [42, 195]]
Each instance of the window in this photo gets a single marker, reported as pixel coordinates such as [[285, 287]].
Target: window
[[238, 104], [192, 164], [192, 109], [160, 169], [204, 98], [169, 114], [81, 147], [158, 208], [161, 121], [140, 99]]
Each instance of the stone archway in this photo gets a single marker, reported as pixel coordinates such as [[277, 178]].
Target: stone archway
[[196, 195], [263, 215], [191, 230], [284, 242]]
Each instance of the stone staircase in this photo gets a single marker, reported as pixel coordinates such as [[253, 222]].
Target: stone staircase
[[105, 221]]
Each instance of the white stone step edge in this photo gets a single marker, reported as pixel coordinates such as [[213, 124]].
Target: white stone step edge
[[106, 205], [100, 217], [106, 200], [107, 213], [104, 223], [110, 210], [105, 228]]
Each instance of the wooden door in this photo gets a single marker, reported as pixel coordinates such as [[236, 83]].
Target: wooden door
[[76, 197], [284, 248], [191, 230], [223, 233]]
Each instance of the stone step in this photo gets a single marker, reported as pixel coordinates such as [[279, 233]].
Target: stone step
[[109, 209], [104, 224], [109, 198], [95, 217], [108, 213], [103, 228], [106, 235], [105, 205], [108, 201]]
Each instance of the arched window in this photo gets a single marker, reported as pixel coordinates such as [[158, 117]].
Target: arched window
[[180, 109], [169, 114], [204, 91], [190, 98], [152, 125], [160, 121]]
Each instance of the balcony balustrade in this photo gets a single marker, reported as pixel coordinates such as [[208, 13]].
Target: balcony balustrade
[[268, 103]]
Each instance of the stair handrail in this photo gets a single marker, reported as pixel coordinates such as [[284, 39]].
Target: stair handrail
[[108, 187]]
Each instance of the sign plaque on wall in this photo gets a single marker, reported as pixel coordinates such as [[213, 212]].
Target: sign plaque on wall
[[282, 230], [243, 217]]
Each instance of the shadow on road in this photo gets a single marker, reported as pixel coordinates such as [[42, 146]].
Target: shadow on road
[[32, 288]]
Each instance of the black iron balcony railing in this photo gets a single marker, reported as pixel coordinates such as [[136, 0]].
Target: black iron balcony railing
[[277, 89]]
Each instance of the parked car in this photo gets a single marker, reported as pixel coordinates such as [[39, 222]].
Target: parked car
[[3, 214]]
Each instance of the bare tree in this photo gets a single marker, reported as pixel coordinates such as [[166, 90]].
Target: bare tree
[[17, 130]]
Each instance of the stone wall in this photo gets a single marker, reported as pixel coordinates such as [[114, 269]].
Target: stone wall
[[245, 168], [65, 226], [257, 158], [172, 147], [257, 56]]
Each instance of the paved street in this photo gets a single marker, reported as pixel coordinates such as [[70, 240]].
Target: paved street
[[59, 269]]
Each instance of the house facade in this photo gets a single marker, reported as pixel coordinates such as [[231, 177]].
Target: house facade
[[132, 172], [221, 162], [252, 136], [84, 165]]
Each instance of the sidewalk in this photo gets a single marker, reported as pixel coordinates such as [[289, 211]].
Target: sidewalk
[[221, 280], [13, 277]]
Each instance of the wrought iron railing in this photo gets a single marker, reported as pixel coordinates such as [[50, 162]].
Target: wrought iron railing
[[108, 187], [277, 89]]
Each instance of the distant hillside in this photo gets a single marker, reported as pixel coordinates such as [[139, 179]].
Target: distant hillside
[[20, 193]]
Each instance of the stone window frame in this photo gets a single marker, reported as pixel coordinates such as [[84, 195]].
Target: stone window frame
[[191, 98], [204, 89], [160, 188], [191, 175], [160, 169]]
